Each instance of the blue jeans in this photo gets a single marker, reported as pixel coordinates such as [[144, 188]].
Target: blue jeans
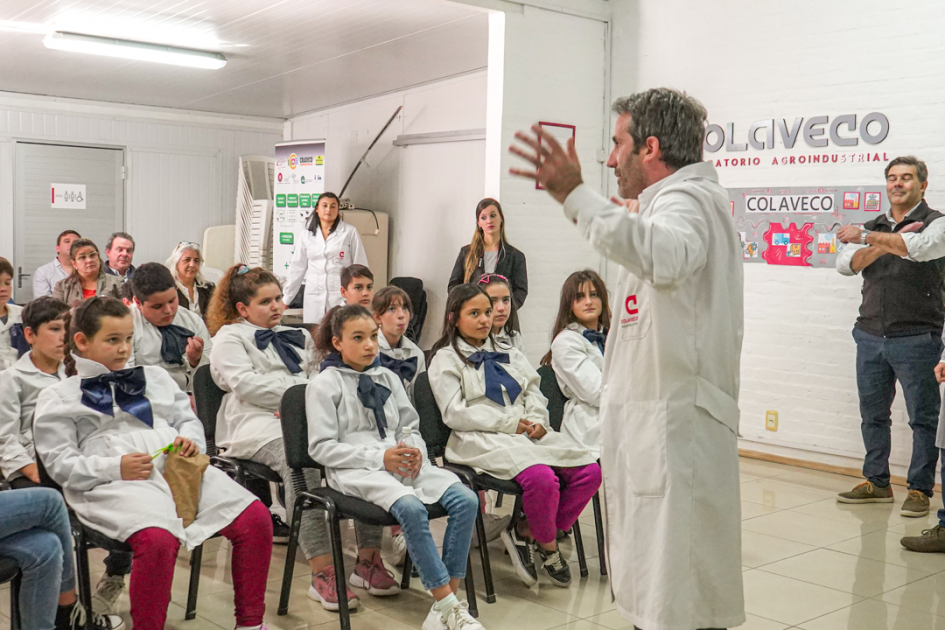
[[462, 505], [880, 362], [35, 531]]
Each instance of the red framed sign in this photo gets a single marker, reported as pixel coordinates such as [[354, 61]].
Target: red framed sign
[[562, 133]]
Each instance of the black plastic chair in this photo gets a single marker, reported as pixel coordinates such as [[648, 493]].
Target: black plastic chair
[[435, 433], [10, 572], [338, 506], [556, 401]]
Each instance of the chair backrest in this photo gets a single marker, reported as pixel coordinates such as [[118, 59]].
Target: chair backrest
[[295, 428], [413, 287], [556, 398], [434, 432], [207, 398]]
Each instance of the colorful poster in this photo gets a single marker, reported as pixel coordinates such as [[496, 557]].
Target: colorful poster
[[872, 201], [299, 180], [788, 245], [851, 201], [826, 244]]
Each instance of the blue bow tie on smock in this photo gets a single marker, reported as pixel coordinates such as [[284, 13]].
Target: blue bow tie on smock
[[174, 343], [18, 340], [372, 395], [129, 383], [496, 376], [283, 341], [406, 369], [595, 337]]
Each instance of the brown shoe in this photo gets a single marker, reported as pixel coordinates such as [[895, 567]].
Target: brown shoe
[[931, 541], [867, 493], [915, 505]]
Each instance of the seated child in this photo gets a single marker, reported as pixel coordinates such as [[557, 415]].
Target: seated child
[[505, 326], [256, 359], [577, 355], [357, 285], [492, 402], [99, 434], [392, 312], [12, 343], [363, 429], [166, 335]]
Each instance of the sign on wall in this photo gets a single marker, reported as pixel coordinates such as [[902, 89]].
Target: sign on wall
[[299, 181], [71, 196], [797, 225]]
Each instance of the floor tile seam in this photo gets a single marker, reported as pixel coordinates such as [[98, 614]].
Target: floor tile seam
[[836, 590], [802, 542], [879, 599], [907, 568]]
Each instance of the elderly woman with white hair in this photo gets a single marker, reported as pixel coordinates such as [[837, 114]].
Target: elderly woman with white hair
[[193, 289]]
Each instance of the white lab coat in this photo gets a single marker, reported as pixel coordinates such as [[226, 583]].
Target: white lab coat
[[484, 432], [9, 354], [577, 364], [406, 350], [146, 345], [255, 381], [318, 262], [669, 403], [82, 450], [20, 386], [343, 437]]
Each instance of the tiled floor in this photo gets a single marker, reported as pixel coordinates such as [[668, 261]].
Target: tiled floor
[[810, 563]]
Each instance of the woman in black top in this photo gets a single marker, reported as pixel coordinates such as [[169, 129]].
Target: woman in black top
[[490, 252]]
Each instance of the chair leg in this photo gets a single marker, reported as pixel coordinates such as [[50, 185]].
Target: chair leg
[[196, 559], [599, 526], [344, 616], [484, 556], [579, 545], [471, 588], [290, 552], [82, 573], [15, 622], [498, 499], [408, 571]]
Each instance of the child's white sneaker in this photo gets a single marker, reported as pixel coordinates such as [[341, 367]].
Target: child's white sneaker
[[398, 549], [456, 618], [434, 620]]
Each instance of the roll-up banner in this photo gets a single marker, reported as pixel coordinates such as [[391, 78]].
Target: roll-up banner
[[299, 181]]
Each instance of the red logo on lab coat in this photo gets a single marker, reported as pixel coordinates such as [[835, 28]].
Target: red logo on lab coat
[[633, 313], [632, 300], [341, 255]]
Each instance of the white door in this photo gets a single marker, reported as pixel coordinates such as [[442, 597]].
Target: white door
[[37, 223]]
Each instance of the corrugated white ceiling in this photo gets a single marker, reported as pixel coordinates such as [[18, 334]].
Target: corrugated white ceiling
[[284, 57]]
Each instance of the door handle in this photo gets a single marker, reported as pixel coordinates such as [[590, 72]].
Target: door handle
[[19, 277]]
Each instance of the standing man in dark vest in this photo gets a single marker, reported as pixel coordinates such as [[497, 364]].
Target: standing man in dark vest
[[899, 331]]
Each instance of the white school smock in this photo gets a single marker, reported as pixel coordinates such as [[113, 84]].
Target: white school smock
[[319, 261], [20, 386], [406, 350], [669, 404], [343, 437], [146, 345], [82, 449], [9, 354], [513, 340], [255, 381], [484, 434], [577, 365]]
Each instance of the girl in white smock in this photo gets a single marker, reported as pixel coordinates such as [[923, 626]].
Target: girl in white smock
[[363, 429], [393, 312], [97, 434], [255, 360], [492, 401], [577, 355], [322, 250], [506, 330], [12, 343]]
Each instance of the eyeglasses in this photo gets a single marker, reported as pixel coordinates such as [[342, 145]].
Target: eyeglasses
[[488, 278], [188, 245]]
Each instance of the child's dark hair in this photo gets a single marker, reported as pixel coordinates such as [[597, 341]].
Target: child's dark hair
[[457, 298], [42, 311], [150, 278], [351, 272], [314, 223], [6, 267], [570, 292], [87, 319], [387, 297], [127, 291], [334, 324], [511, 324], [239, 285]]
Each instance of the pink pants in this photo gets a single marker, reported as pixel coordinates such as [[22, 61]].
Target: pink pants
[[553, 498], [155, 552]]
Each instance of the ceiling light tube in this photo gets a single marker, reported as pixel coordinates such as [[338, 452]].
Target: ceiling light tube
[[139, 51]]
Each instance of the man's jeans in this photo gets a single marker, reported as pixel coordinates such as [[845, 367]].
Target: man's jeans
[[880, 362]]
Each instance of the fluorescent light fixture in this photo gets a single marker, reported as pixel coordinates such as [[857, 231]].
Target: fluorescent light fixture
[[139, 51]]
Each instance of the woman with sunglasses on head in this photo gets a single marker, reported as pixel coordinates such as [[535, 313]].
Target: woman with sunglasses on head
[[88, 278], [490, 253], [193, 290]]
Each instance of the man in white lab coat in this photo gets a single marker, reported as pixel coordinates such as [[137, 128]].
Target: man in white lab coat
[[669, 400]]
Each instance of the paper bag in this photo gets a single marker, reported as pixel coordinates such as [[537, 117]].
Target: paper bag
[[183, 475]]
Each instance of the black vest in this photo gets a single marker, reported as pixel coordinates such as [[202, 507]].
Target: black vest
[[902, 297]]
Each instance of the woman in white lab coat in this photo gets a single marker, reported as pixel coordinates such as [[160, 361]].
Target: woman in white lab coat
[[99, 434], [322, 249], [577, 355], [490, 398]]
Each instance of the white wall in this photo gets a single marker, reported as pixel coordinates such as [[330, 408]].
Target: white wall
[[181, 166], [430, 191], [753, 61]]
